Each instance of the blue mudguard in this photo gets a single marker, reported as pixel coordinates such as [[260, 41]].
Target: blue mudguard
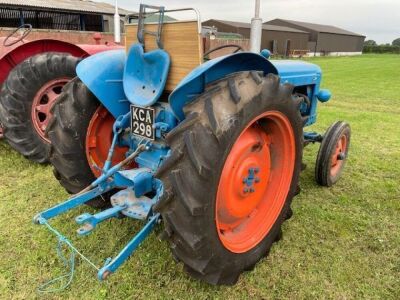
[[102, 73], [194, 83]]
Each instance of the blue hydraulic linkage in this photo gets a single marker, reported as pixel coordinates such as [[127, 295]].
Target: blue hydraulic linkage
[[134, 185], [130, 202]]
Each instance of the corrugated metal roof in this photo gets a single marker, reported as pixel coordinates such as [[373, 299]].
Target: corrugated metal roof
[[319, 27], [265, 26], [66, 5]]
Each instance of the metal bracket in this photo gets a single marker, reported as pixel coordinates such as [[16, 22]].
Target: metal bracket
[[89, 221], [132, 206], [142, 17], [312, 137]]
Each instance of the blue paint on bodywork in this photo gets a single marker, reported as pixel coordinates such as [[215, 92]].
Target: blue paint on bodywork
[[302, 74], [108, 81], [195, 83], [103, 73], [145, 75], [297, 73], [324, 95]]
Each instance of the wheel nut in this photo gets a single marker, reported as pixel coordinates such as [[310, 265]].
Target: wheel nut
[[256, 170], [252, 190], [256, 180], [341, 156], [246, 190]]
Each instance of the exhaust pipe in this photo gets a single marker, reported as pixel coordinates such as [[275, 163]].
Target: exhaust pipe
[[256, 30], [117, 25]]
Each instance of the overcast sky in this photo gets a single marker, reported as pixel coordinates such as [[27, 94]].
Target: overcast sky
[[377, 19]]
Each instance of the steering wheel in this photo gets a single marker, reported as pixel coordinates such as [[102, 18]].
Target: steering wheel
[[28, 29], [238, 48]]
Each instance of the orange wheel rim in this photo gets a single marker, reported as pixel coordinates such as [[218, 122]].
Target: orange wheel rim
[[98, 141], [338, 155], [255, 182]]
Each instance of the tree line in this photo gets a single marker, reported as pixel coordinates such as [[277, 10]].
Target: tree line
[[371, 46]]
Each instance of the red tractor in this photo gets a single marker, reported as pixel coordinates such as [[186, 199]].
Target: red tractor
[[32, 75]]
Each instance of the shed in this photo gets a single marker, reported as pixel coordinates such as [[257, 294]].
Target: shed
[[326, 39], [278, 39], [78, 15]]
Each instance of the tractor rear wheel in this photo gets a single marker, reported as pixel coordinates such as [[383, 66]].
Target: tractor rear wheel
[[26, 98], [231, 176], [80, 133]]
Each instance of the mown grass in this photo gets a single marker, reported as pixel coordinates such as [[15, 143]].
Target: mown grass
[[342, 242]]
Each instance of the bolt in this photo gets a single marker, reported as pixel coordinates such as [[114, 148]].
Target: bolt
[[256, 180], [252, 190], [256, 170], [105, 275], [244, 180], [246, 190]]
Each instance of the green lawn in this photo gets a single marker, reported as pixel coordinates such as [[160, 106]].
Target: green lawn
[[342, 242]]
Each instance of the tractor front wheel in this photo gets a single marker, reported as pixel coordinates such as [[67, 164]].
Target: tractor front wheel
[[231, 176], [26, 98], [80, 133], [332, 154]]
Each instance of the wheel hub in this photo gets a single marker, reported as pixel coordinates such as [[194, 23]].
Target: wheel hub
[[251, 180], [42, 103]]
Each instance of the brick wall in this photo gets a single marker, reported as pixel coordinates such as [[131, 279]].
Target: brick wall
[[73, 37]]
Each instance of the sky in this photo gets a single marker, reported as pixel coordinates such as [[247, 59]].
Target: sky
[[377, 19]]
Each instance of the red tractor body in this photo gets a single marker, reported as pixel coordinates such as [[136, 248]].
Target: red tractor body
[[13, 55]]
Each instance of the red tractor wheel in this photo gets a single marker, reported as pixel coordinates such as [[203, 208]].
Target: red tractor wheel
[[42, 103], [332, 154], [80, 146], [26, 98], [231, 176]]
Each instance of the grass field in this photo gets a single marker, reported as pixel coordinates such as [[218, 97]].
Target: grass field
[[342, 242]]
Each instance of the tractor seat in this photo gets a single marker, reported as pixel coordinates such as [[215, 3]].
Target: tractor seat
[[145, 75]]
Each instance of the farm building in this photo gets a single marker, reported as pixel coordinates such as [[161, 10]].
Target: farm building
[[326, 39], [77, 15], [280, 40]]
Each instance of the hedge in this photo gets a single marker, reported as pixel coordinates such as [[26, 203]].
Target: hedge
[[382, 49]]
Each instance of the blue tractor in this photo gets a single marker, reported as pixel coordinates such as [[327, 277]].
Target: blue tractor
[[212, 150]]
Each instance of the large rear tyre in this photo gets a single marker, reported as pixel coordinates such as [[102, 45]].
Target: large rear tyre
[[26, 98], [232, 174], [80, 133]]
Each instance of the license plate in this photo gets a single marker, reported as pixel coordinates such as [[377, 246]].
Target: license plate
[[142, 121]]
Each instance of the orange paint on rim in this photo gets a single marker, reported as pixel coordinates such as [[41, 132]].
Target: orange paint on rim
[[336, 162], [98, 141], [255, 181]]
